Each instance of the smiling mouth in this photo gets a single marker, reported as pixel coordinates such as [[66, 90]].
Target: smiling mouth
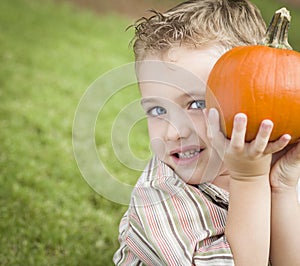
[[188, 154]]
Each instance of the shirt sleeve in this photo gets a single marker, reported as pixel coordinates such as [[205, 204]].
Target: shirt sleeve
[[134, 248], [124, 255], [172, 223], [218, 252]]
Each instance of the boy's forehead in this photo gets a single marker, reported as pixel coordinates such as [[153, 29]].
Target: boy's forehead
[[180, 64], [162, 72], [154, 91]]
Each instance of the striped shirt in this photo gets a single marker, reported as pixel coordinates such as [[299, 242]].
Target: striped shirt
[[170, 222]]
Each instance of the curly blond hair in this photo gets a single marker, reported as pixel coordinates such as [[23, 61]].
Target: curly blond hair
[[198, 22]]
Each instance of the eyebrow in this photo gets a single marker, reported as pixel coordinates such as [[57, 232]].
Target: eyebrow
[[187, 96], [147, 100], [191, 95], [180, 98]]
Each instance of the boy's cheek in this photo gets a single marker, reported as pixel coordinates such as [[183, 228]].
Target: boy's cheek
[[198, 118], [158, 147], [200, 127], [156, 128]]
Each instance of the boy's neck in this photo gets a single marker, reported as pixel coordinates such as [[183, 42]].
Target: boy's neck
[[222, 181]]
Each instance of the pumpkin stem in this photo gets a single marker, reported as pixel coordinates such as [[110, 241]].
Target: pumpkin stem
[[277, 32]]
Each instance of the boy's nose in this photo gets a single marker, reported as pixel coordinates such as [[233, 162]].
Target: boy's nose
[[177, 130]]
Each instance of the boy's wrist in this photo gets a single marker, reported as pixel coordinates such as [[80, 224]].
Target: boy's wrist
[[285, 197], [248, 178], [284, 190], [250, 170]]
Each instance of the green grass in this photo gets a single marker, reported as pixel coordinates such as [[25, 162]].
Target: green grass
[[50, 53]]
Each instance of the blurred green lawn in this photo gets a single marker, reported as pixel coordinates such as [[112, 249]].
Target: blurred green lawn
[[50, 53]]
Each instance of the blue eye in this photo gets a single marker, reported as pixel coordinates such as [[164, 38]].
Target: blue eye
[[199, 104], [157, 111]]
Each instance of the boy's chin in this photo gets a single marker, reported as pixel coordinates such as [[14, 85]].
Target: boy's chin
[[191, 179]]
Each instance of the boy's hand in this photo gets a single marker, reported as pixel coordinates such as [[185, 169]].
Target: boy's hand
[[245, 161], [285, 172]]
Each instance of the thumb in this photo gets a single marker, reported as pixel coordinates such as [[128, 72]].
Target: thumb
[[217, 139]]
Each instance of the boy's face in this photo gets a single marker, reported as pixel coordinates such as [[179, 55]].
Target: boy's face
[[173, 96]]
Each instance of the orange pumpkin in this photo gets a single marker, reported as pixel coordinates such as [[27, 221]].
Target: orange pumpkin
[[262, 81]]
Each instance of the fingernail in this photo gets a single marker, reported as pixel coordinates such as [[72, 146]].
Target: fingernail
[[287, 137], [267, 124], [240, 117]]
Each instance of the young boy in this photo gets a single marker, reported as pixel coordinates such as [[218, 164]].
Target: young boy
[[203, 199]]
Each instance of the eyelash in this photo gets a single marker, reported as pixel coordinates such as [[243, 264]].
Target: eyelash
[[201, 102], [163, 111], [150, 111]]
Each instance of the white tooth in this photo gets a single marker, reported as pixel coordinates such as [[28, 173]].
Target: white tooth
[[188, 154]]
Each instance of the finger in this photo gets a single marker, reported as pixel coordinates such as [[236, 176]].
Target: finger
[[213, 122], [296, 151], [279, 144], [217, 139], [261, 141], [238, 132]]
